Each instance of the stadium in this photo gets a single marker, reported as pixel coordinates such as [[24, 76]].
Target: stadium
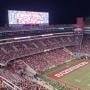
[[35, 55]]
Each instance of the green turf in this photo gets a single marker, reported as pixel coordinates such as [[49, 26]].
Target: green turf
[[52, 82], [80, 77]]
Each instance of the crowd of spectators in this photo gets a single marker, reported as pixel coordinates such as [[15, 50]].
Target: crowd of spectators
[[43, 61], [13, 50], [84, 47], [40, 54], [15, 73]]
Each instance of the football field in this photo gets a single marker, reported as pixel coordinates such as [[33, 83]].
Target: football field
[[80, 77], [76, 75]]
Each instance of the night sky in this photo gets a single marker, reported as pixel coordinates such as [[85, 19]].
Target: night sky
[[60, 11]]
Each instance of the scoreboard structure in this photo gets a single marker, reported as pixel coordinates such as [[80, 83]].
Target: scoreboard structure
[[27, 17]]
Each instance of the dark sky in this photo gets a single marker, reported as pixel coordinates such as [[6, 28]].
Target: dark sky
[[61, 11]]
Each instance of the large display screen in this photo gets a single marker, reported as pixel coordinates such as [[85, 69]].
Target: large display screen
[[27, 17]]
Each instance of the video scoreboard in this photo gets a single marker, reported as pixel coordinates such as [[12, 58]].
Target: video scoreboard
[[27, 17]]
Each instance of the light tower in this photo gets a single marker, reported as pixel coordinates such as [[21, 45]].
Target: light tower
[[79, 31]]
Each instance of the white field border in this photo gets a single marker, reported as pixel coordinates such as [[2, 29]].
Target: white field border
[[70, 69]]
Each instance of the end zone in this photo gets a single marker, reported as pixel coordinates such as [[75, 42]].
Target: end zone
[[61, 73]]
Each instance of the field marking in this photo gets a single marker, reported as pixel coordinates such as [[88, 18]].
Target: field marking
[[61, 73], [59, 79], [77, 80], [89, 85]]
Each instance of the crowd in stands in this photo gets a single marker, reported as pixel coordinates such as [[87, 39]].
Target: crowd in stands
[[16, 74], [74, 49], [86, 45], [13, 50], [40, 54], [15, 70], [43, 61], [83, 48]]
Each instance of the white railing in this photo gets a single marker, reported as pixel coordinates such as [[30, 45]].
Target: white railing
[[10, 84]]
